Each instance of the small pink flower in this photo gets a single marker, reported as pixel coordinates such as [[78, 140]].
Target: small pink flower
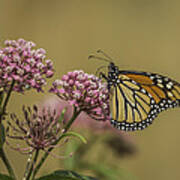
[[20, 62], [49, 73], [85, 92]]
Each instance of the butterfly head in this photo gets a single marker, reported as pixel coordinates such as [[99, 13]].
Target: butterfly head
[[113, 72], [112, 68]]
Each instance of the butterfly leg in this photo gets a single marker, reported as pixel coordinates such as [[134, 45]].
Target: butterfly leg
[[102, 75]]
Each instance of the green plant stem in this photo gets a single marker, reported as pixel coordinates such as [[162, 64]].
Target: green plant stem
[[7, 164], [2, 153], [6, 101], [75, 115], [66, 128], [29, 161], [32, 164]]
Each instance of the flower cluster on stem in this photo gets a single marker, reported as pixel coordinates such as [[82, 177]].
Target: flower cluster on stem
[[19, 61], [85, 92], [40, 130]]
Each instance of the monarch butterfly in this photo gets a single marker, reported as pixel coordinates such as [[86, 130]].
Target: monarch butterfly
[[137, 97]]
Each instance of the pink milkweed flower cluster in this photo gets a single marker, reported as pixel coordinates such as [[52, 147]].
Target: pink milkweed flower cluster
[[85, 92], [40, 129], [24, 65]]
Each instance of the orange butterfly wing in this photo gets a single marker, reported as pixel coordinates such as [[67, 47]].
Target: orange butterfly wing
[[158, 86], [139, 97]]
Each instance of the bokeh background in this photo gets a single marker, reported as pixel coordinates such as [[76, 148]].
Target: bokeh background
[[137, 34]]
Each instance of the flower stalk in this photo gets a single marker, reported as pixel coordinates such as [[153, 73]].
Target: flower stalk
[[2, 153], [66, 128], [29, 161], [7, 163], [3, 111], [32, 164]]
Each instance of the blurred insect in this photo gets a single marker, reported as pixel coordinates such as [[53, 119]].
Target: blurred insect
[[137, 97]]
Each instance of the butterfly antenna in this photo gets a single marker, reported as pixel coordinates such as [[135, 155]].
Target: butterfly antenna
[[98, 69], [105, 55], [100, 58]]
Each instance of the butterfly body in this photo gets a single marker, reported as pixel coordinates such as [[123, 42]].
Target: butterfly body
[[138, 97]]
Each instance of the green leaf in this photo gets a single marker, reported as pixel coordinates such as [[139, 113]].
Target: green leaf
[[109, 173], [75, 135], [65, 175], [2, 135], [5, 177]]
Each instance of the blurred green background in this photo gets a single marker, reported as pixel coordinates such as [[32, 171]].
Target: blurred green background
[[137, 34]]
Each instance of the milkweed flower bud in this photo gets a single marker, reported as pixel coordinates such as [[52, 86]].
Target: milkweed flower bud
[[84, 91], [40, 129], [20, 62]]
